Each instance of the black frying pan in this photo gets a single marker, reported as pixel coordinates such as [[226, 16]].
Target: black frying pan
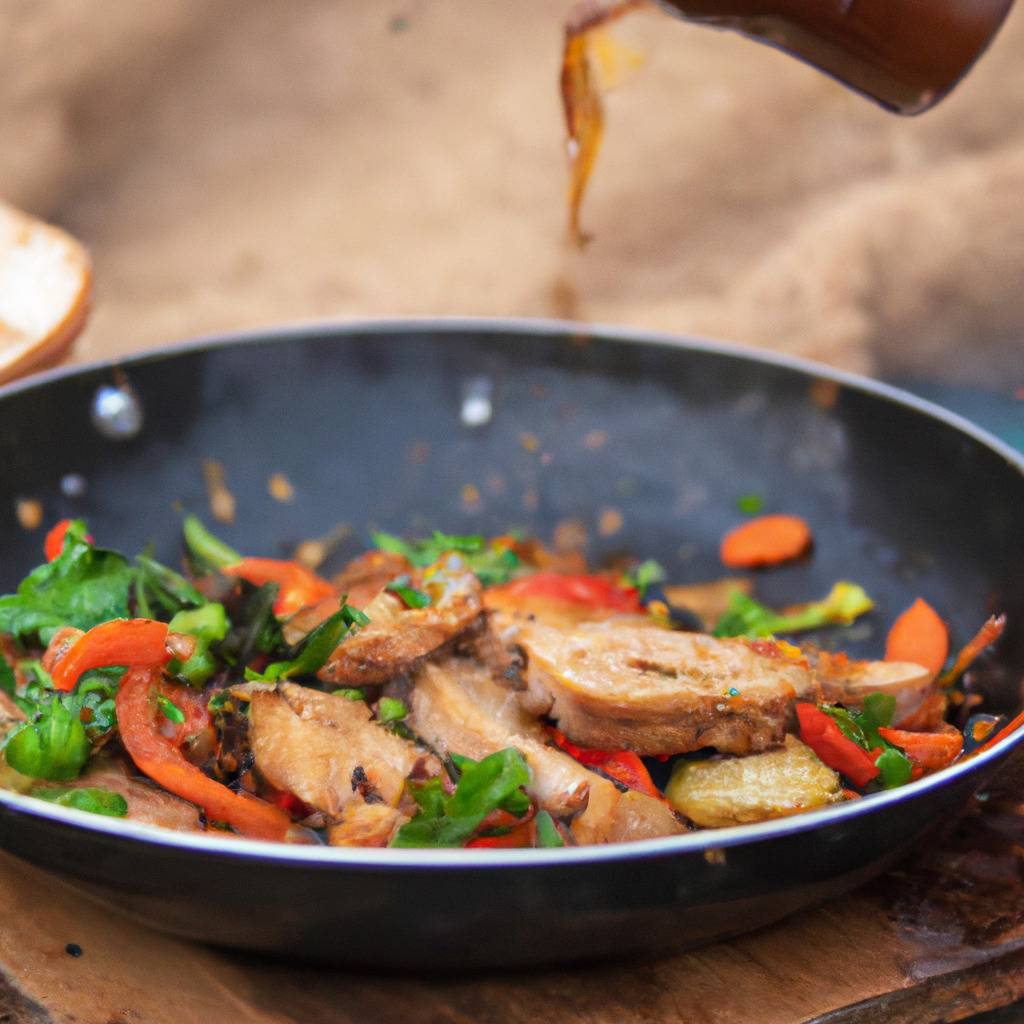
[[386, 424]]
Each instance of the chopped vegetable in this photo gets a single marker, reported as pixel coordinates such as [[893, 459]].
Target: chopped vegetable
[[87, 798], [750, 504], [82, 587], [548, 835], [170, 710], [644, 576], [391, 710], [746, 617], [410, 596], [621, 766], [298, 586], [207, 553], [919, 636], [159, 758], [595, 591], [159, 585], [989, 633], [821, 733], [1007, 730], [493, 562], [929, 751], [316, 648], [484, 786], [768, 540], [117, 642], [349, 693], [54, 746], [207, 625], [54, 543]]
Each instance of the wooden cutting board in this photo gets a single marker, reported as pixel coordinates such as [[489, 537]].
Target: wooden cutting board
[[940, 938]]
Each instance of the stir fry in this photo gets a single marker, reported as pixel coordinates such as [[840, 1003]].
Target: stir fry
[[459, 691]]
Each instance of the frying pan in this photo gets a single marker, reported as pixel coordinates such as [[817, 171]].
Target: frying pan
[[478, 426]]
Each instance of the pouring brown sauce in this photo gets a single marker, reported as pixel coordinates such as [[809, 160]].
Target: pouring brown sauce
[[904, 54]]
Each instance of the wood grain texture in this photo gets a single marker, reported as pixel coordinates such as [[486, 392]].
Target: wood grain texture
[[939, 939]]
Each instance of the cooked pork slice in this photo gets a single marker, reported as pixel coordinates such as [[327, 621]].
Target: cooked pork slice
[[366, 824], [660, 692], [845, 681], [398, 637], [740, 790], [326, 750], [458, 707]]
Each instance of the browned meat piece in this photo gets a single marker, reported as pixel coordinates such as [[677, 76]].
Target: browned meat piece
[[366, 576], [659, 692], [366, 824], [147, 803], [457, 706], [397, 637], [845, 681], [326, 750]]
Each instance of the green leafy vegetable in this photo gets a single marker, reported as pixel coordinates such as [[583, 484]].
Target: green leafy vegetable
[[746, 617], [547, 833], [82, 587], [861, 726], [492, 565], [54, 746], [88, 798], [170, 710], [206, 552], [157, 585], [316, 648], [255, 627], [484, 786], [391, 710], [7, 678], [642, 577], [412, 598], [209, 625]]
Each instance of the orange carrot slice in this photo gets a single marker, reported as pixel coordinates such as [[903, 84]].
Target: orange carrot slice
[[919, 636], [767, 540]]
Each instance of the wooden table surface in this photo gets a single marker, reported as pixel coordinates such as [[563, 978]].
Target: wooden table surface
[[940, 938]]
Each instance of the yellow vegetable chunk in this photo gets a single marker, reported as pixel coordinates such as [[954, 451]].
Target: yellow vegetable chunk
[[741, 790]]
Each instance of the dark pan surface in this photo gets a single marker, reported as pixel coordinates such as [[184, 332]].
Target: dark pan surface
[[367, 422]]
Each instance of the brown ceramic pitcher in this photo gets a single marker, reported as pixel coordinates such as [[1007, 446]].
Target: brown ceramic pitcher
[[906, 54]]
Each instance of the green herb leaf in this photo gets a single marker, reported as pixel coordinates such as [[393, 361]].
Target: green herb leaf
[[411, 597], [88, 798], [82, 587], [444, 821], [642, 577], [8, 682], [548, 835], [391, 710], [170, 710], [349, 693], [159, 585], [491, 565], [55, 746], [255, 628], [746, 617], [206, 552], [322, 642]]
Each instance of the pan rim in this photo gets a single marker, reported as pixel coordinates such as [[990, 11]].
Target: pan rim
[[325, 858]]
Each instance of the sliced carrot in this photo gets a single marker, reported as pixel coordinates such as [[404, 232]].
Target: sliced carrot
[[767, 540], [919, 636], [989, 633], [928, 750]]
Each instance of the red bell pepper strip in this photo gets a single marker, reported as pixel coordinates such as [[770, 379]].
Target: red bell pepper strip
[[621, 765], [131, 642], [929, 751], [820, 732], [517, 838], [54, 543], [299, 586], [159, 757], [593, 590]]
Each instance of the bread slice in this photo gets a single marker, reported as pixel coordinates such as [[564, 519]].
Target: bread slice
[[45, 284]]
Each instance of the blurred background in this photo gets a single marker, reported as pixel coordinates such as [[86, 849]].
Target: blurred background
[[246, 162]]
